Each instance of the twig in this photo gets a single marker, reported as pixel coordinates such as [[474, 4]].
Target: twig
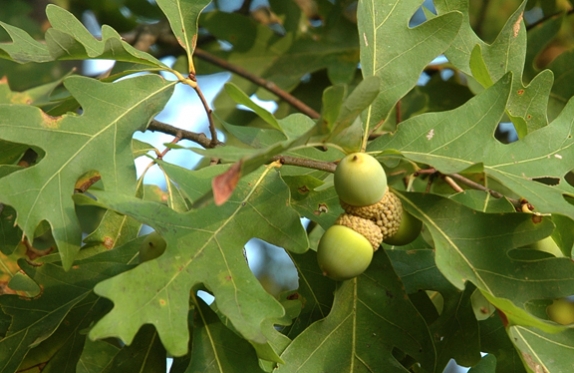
[[208, 110], [268, 85], [453, 184], [515, 202], [398, 112], [450, 180], [304, 162], [164, 35], [198, 138], [475, 185]]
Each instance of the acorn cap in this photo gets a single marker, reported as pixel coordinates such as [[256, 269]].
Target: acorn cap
[[386, 214], [363, 226]]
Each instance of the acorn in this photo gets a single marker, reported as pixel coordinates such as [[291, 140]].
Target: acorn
[[343, 253], [561, 311], [363, 226], [409, 229], [152, 247], [386, 213], [360, 180]]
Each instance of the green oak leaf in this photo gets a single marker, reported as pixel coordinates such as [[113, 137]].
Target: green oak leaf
[[477, 247], [455, 140], [182, 16], [23, 47], [68, 39], [371, 316], [315, 293], [455, 326], [97, 356], [526, 106], [112, 112], [333, 46], [562, 67], [60, 352], [486, 365], [396, 53], [544, 352], [146, 354], [35, 320], [216, 348], [204, 246], [10, 234], [256, 51], [494, 340]]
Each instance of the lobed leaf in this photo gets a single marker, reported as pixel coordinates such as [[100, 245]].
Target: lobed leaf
[[542, 351], [371, 316], [203, 247], [476, 247], [68, 39], [112, 112], [396, 53], [527, 104], [35, 320], [454, 325], [462, 138]]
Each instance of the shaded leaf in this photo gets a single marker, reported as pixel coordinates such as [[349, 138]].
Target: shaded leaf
[[68, 340], [544, 352], [494, 340], [146, 354], [218, 349], [371, 315], [455, 329], [315, 293], [34, 321], [10, 234], [96, 357], [474, 246]]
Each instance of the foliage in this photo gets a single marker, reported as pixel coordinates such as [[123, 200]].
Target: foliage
[[74, 297]]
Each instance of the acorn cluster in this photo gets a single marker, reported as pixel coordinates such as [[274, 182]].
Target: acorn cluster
[[373, 214]]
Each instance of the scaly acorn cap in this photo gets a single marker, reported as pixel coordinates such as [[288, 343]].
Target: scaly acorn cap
[[386, 214], [363, 226]]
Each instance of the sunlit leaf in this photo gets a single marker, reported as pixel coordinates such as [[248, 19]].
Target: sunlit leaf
[[111, 113], [396, 53], [203, 246]]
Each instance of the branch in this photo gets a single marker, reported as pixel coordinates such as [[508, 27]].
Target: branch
[[208, 111], [198, 138], [304, 162], [268, 85], [162, 33], [463, 180]]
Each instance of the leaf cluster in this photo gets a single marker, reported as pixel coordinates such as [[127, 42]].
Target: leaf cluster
[[74, 294]]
